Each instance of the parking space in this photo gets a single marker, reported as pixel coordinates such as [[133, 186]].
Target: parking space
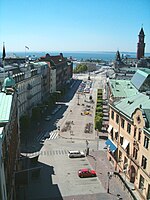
[[66, 175]]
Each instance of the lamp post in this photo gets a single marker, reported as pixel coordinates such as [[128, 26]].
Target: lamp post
[[95, 162], [78, 100], [125, 171], [109, 177]]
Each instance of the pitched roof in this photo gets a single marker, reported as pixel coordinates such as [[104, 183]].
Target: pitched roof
[[122, 88], [54, 60], [139, 77], [128, 105], [58, 59], [5, 107]]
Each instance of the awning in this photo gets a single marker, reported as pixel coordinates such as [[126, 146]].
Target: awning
[[125, 143], [110, 128], [110, 145]]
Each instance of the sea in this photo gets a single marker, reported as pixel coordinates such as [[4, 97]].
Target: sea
[[79, 56]]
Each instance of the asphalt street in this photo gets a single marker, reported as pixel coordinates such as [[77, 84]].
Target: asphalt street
[[58, 177]]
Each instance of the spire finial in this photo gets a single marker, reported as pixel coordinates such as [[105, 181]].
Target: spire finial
[[4, 53]]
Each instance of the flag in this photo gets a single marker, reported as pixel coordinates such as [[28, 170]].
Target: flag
[[4, 53], [27, 47]]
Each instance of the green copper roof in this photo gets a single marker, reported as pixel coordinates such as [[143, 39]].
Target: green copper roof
[[122, 88], [9, 82], [5, 107], [128, 105]]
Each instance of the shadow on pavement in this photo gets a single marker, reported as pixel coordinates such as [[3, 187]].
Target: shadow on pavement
[[34, 181]]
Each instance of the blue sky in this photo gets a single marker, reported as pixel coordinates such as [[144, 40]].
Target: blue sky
[[74, 25]]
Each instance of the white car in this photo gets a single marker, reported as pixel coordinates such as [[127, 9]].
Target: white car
[[76, 154]]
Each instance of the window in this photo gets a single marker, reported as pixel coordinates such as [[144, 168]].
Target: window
[[111, 133], [135, 129], [144, 162], [121, 140], [125, 165], [122, 123], [135, 153], [141, 182], [117, 118], [120, 155], [129, 128], [128, 149], [112, 114], [116, 135], [146, 142], [139, 136]]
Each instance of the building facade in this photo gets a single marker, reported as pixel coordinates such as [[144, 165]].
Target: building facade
[[10, 138], [61, 70], [129, 132], [128, 141]]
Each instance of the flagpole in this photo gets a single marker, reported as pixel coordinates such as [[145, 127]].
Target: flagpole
[[25, 53]]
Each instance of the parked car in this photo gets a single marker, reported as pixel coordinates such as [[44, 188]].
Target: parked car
[[76, 154], [83, 173]]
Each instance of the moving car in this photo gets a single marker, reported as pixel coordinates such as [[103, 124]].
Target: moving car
[[83, 173], [76, 154]]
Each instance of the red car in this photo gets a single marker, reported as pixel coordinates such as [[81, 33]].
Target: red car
[[83, 173]]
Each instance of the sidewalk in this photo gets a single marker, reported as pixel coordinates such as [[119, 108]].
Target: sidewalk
[[99, 161]]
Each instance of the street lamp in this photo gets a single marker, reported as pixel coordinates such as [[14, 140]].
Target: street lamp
[[78, 100], [95, 162], [125, 171], [109, 177]]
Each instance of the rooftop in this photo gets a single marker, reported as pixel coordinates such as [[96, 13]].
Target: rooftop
[[5, 107], [122, 88], [128, 105], [140, 77]]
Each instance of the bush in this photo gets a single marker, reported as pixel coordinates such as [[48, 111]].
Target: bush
[[98, 123], [99, 109]]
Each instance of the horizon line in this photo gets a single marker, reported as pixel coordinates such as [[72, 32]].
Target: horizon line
[[66, 51]]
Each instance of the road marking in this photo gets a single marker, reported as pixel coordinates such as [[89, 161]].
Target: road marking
[[53, 135]]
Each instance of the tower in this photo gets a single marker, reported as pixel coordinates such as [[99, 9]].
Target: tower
[[140, 45]]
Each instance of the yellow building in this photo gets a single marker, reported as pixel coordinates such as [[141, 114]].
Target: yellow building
[[129, 135]]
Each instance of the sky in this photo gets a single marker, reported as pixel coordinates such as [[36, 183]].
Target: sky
[[74, 25]]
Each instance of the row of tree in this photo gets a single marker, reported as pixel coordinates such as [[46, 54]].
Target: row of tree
[[99, 110]]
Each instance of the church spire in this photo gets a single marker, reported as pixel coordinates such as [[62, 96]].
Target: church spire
[[140, 45], [4, 53]]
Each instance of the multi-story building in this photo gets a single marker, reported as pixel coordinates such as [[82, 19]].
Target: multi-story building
[[61, 70], [129, 134], [43, 71], [9, 139], [32, 85], [29, 89]]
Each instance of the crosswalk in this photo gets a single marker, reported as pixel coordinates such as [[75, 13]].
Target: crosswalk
[[47, 136], [56, 152], [53, 135]]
